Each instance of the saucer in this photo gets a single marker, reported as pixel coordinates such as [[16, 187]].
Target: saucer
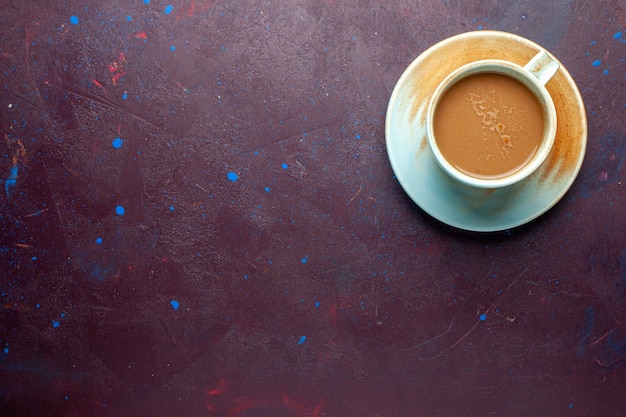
[[437, 193]]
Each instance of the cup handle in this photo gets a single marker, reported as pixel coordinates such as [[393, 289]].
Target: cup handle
[[543, 67]]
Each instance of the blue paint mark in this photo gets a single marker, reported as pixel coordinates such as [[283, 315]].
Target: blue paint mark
[[124, 96], [232, 176], [480, 27], [358, 137], [172, 48], [605, 72], [168, 9], [34, 258], [571, 405], [6, 350], [284, 165], [55, 323], [37, 305], [616, 341], [617, 35], [117, 142], [483, 317], [171, 208], [98, 271], [12, 180], [596, 63], [99, 240], [120, 210], [174, 304], [245, 277], [67, 397], [302, 340], [74, 20], [305, 259], [146, 1], [267, 189], [317, 304], [129, 18]]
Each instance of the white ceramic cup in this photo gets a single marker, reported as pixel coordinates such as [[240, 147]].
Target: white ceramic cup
[[534, 75]]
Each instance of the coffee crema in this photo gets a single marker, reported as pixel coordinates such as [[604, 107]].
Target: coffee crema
[[488, 125]]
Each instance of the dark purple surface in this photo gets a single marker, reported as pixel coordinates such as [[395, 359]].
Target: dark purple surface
[[267, 262]]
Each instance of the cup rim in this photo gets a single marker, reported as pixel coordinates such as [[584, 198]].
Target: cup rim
[[522, 75]]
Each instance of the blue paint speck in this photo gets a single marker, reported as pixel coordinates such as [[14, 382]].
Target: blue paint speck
[[483, 317], [245, 277], [302, 340], [358, 136], [34, 258], [168, 9], [480, 28], [120, 210], [174, 304], [124, 96], [284, 165], [67, 397], [172, 48], [12, 180], [596, 63], [571, 405], [605, 72], [117, 142], [146, 1], [129, 18], [99, 240], [37, 305], [317, 304], [74, 20], [267, 189], [232, 176], [618, 35], [171, 208], [304, 260], [6, 350], [55, 323]]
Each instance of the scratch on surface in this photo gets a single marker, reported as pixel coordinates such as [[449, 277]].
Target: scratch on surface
[[203, 189], [432, 339], [356, 194], [495, 303], [107, 103]]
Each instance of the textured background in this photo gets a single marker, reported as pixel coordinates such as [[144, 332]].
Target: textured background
[[199, 219]]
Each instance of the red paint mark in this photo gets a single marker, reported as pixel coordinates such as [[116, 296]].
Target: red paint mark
[[333, 315], [317, 410], [221, 386], [141, 35], [100, 85], [117, 76], [192, 8], [116, 68]]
